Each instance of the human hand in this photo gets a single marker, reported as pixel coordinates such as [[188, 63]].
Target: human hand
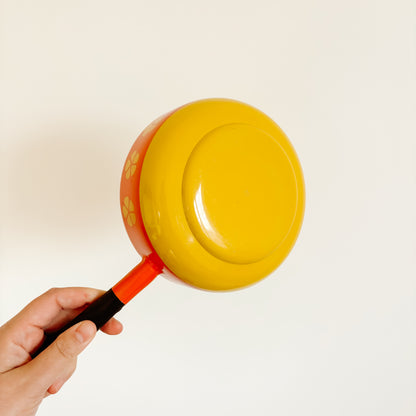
[[25, 382]]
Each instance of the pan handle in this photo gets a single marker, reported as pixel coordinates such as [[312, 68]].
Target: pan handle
[[106, 306], [99, 312]]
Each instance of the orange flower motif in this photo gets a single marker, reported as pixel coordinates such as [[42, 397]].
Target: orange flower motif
[[128, 211], [131, 164]]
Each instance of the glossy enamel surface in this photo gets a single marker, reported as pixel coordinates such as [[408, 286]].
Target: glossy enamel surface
[[221, 194], [237, 196]]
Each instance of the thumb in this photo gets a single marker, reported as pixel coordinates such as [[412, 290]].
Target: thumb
[[56, 363]]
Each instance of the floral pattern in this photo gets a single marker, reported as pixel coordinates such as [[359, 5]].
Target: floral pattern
[[131, 164], [128, 211]]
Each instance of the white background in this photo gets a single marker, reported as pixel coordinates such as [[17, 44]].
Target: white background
[[333, 330]]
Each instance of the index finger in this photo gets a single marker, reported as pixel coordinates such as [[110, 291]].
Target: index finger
[[43, 310]]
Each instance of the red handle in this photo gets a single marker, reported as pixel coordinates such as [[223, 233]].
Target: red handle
[[137, 279]]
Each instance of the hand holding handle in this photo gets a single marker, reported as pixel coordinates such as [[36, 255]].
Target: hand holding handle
[[99, 312], [106, 306]]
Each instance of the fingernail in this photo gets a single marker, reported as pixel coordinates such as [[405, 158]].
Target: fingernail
[[85, 331]]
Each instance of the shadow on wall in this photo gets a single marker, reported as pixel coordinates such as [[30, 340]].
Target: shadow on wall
[[63, 183]]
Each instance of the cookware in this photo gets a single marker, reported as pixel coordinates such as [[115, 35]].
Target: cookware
[[212, 194]]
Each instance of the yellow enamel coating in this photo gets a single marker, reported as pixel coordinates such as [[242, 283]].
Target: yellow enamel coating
[[222, 194], [235, 198]]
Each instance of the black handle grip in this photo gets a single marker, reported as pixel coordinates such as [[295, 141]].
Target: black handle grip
[[99, 312]]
